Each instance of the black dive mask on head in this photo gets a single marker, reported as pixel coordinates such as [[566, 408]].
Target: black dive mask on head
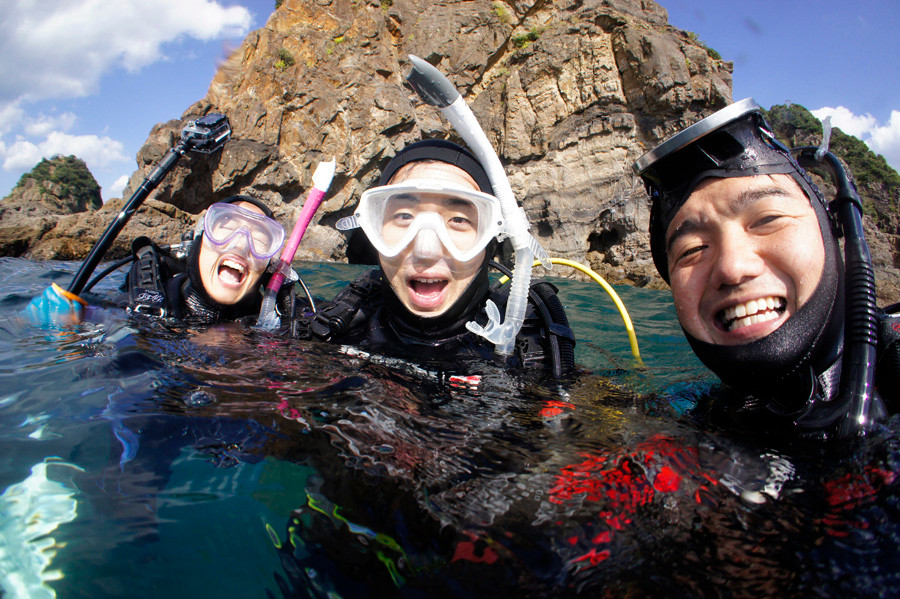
[[737, 142]]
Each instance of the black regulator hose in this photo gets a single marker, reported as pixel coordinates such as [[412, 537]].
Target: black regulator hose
[[857, 390]]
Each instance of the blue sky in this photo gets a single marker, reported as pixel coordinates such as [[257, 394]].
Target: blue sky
[[92, 77], [835, 58]]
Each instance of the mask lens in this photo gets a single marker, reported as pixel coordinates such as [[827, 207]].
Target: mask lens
[[458, 217], [226, 223], [463, 220]]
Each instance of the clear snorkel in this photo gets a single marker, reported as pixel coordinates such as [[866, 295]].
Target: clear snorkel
[[435, 89]]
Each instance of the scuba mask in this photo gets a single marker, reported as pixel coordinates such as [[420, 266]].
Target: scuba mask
[[427, 214], [226, 226]]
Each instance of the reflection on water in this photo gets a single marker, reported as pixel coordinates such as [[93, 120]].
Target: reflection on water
[[225, 462]]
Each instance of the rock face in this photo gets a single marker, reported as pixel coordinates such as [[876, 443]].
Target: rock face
[[59, 186], [570, 93]]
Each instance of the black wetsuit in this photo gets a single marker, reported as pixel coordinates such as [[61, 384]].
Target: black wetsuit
[[160, 285], [733, 408], [368, 316]]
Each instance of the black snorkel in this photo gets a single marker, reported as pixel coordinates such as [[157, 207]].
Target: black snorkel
[[856, 407], [205, 135]]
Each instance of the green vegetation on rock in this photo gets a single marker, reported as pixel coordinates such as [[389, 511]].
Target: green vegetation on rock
[[71, 175], [285, 59], [524, 39], [877, 182], [709, 51]]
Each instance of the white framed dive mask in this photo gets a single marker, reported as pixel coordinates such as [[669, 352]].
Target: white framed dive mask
[[392, 216]]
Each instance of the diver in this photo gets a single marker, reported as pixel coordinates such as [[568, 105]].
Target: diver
[[432, 225], [749, 246], [219, 278]]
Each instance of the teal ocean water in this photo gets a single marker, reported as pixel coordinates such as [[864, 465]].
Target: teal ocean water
[[148, 459]]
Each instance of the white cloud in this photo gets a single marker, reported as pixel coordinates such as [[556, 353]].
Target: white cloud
[[115, 190], [11, 116], [61, 48], [57, 49], [881, 139], [886, 140], [97, 152], [846, 121], [44, 125]]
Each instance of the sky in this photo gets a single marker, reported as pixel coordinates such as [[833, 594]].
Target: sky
[[92, 77]]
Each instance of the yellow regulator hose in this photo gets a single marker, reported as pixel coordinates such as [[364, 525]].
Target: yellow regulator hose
[[629, 327]]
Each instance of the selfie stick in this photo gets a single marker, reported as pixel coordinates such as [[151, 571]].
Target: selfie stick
[[268, 319], [205, 135]]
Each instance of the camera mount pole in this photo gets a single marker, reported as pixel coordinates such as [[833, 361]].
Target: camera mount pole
[[206, 135]]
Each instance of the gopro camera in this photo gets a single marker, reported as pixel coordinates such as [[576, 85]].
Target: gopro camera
[[207, 134]]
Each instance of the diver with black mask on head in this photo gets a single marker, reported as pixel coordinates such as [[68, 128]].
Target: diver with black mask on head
[[750, 249]]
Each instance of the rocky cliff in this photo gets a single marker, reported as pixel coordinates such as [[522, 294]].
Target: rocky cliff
[[570, 92], [59, 186]]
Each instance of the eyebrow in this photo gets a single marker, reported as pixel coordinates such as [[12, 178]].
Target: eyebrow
[[456, 202], [747, 197]]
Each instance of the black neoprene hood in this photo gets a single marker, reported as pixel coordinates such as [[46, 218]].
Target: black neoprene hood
[[733, 142], [440, 150]]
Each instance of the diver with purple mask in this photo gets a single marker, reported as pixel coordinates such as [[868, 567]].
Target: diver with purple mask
[[220, 279]]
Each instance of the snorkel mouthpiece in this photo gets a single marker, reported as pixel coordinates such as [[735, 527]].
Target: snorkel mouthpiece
[[435, 89]]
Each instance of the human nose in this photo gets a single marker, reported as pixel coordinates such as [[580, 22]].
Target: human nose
[[737, 261], [240, 239], [427, 246]]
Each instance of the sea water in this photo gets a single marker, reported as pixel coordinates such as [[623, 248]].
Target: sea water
[[143, 458]]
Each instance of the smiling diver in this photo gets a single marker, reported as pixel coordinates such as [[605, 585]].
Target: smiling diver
[[750, 249], [432, 225], [224, 271]]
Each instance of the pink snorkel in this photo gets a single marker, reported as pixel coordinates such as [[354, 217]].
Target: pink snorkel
[[268, 319]]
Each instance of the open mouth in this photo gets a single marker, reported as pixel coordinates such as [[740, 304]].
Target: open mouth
[[427, 293], [427, 287], [752, 312], [231, 271]]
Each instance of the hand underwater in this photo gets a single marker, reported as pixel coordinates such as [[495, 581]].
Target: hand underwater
[[56, 306]]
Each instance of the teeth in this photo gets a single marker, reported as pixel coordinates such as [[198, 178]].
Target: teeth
[[233, 264], [752, 312], [429, 280]]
